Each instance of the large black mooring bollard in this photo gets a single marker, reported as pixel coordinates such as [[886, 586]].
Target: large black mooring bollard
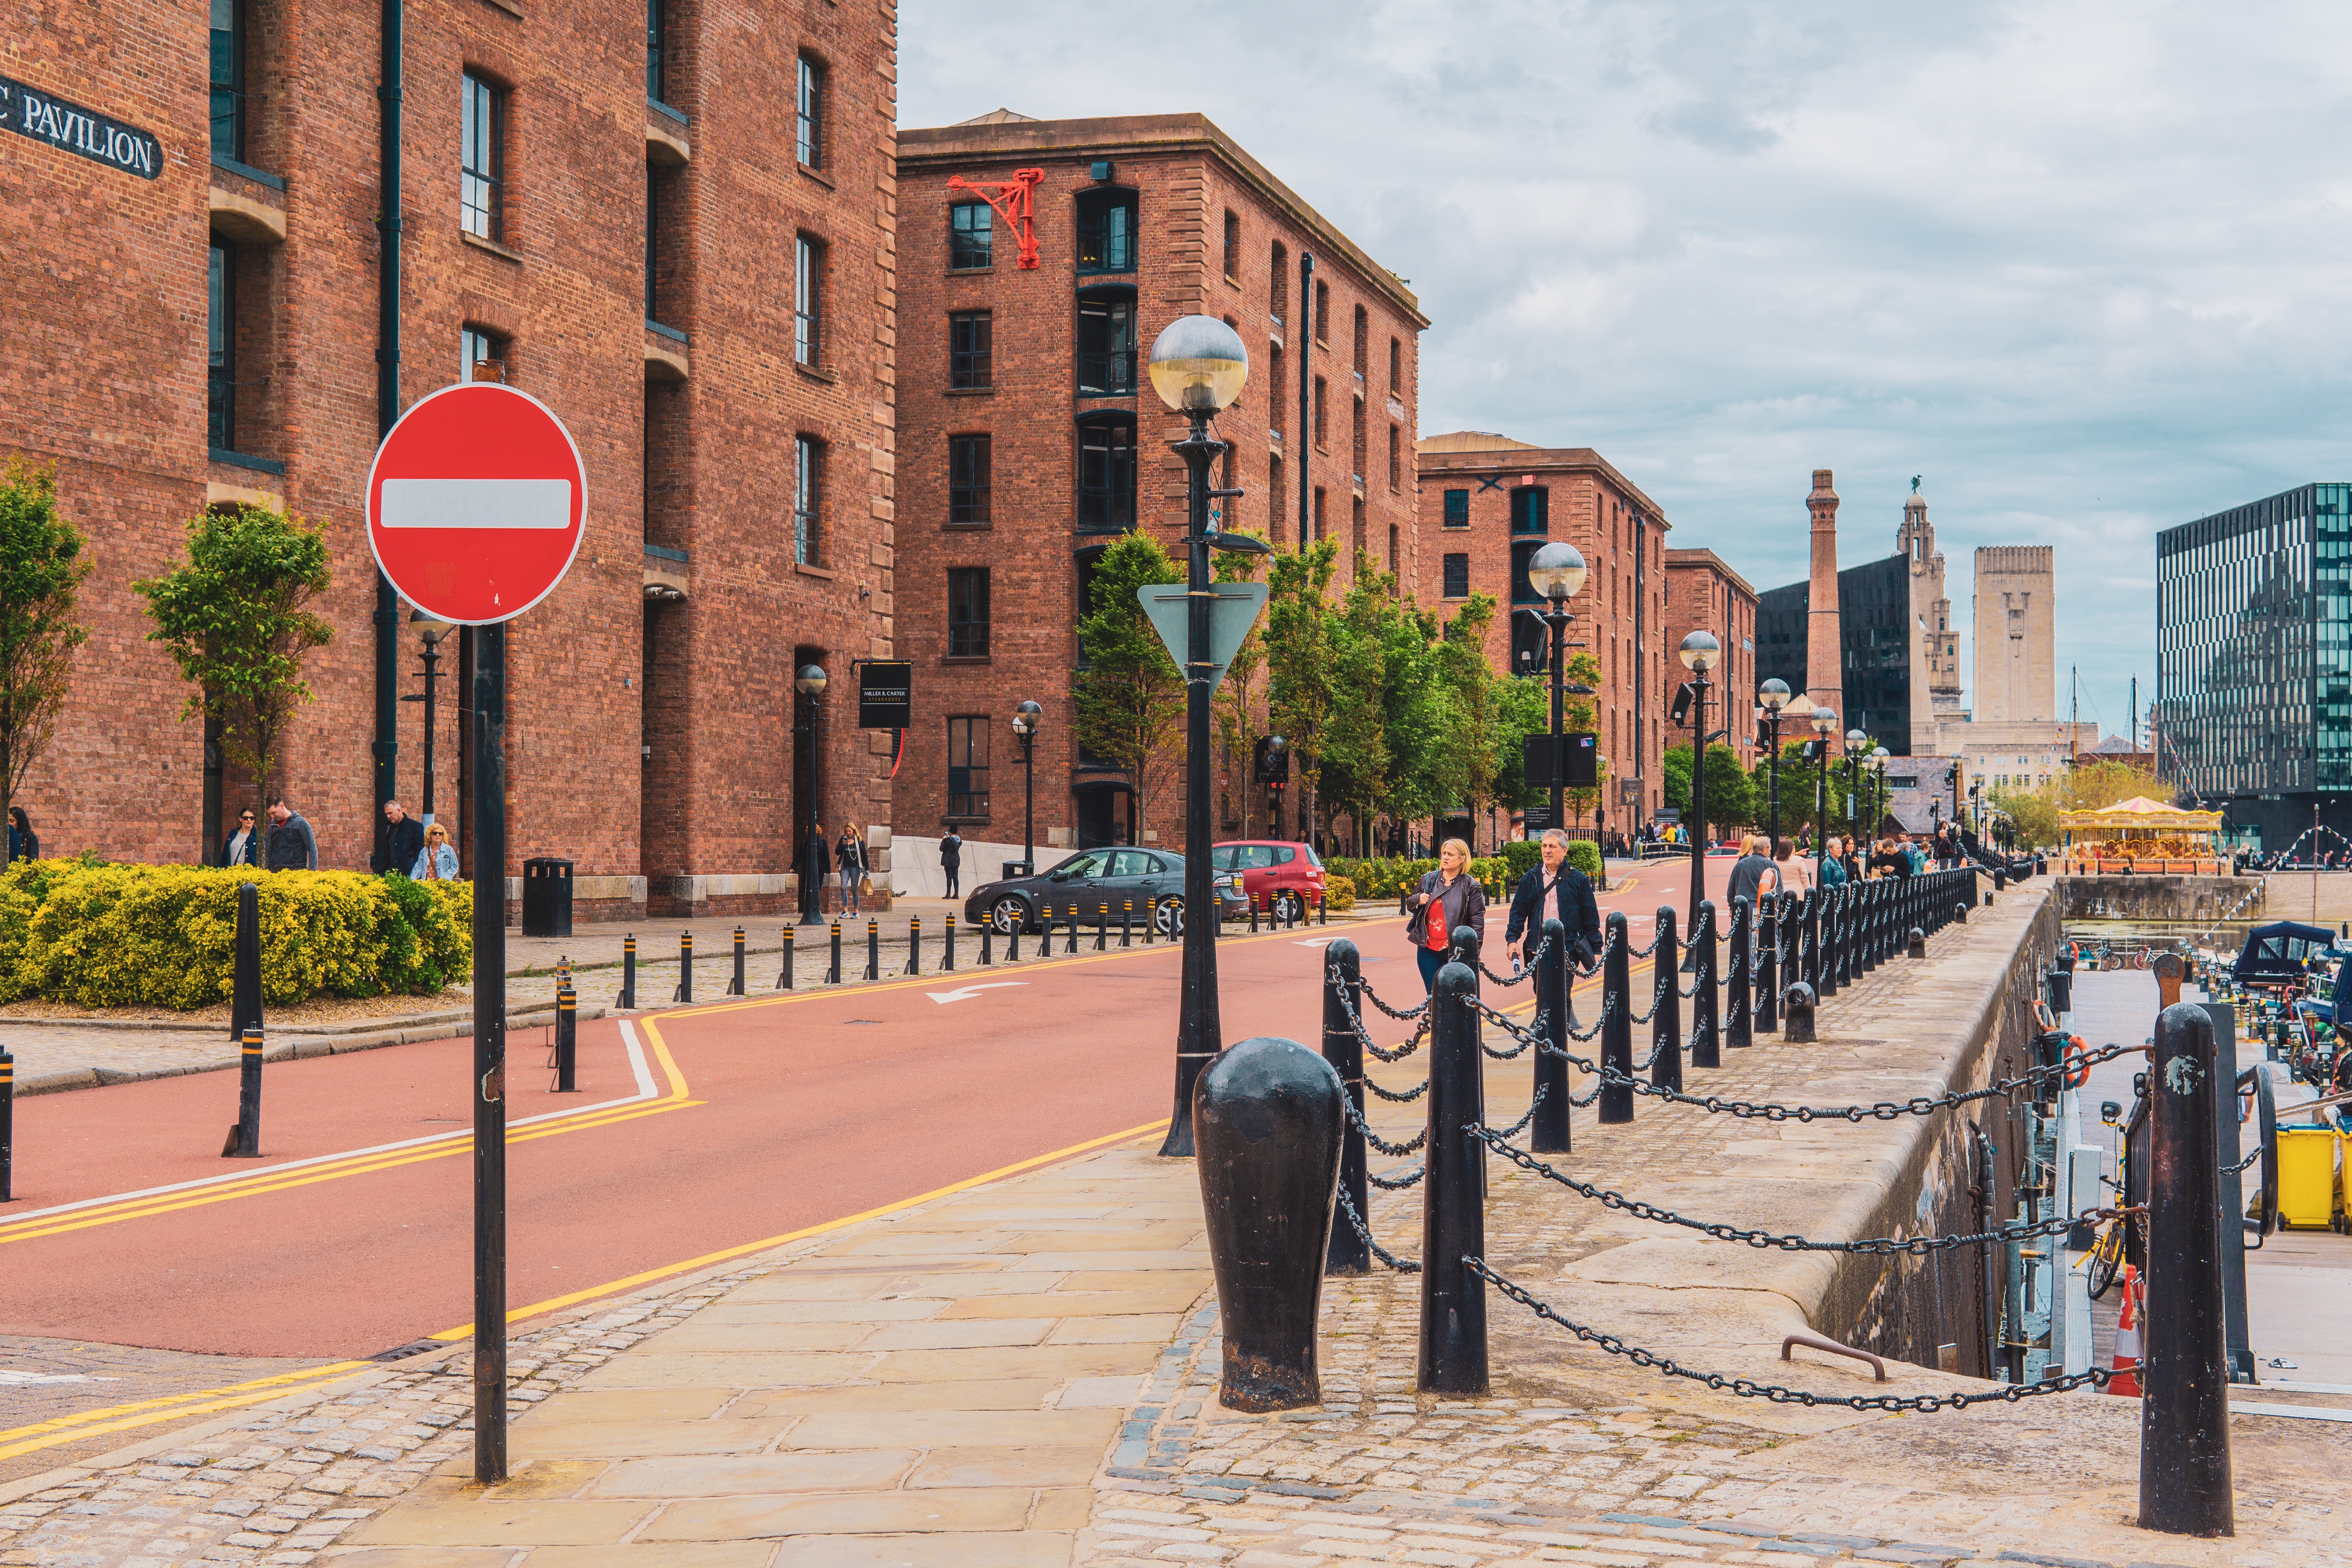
[[1767, 967], [1739, 1030], [1798, 1005], [1616, 1023], [1267, 1117], [1453, 1213], [1918, 947], [245, 1135], [244, 996], [1548, 1132], [627, 1000], [567, 1038], [2184, 1427], [1666, 1012], [1343, 997], [1706, 1042]]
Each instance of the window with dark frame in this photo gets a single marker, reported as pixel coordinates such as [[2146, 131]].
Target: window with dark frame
[[476, 348], [220, 340], [228, 80], [1233, 245], [1321, 390], [968, 611], [1457, 577], [1322, 313], [971, 350], [1363, 341], [808, 300], [1107, 475], [652, 243], [1107, 231], [1278, 294], [1318, 511], [1396, 458], [1277, 399], [656, 38], [482, 159], [1531, 509], [808, 140], [969, 459], [1396, 365], [1457, 509], [971, 235], [968, 765], [1107, 342], [808, 477]]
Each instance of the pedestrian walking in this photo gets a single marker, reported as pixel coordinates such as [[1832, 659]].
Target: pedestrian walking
[[436, 862], [1448, 897], [23, 843], [1751, 873], [849, 858], [242, 847], [292, 845], [1789, 868], [1833, 864], [951, 860], [1554, 889], [399, 840]]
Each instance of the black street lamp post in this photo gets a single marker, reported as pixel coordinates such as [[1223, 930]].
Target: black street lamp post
[[1027, 720], [1699, 651], [1825, 725], [1558, 570], [1879, 797], [1770, 698], [430, 630], [809, 682], [1198, 366]]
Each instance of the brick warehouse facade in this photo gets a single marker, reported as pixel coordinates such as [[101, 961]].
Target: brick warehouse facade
[[1029, 436], [1486, 504], [211, 334], [1704, 593]]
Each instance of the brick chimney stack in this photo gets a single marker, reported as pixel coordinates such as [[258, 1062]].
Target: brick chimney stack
[[1825, 660]]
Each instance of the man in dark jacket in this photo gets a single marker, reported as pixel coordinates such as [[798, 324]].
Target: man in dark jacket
[[1570, 901], [292, 845], [398, 842]]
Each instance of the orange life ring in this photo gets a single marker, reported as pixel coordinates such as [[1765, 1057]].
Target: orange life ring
[[2078, 1067]]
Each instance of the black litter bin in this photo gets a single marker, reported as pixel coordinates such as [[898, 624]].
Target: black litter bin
[[546, 896]]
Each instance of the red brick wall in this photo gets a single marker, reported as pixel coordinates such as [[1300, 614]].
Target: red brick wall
[[1701, 596]]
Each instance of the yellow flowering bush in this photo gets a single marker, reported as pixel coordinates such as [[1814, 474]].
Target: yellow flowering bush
[[1338, 893], [105, 935]]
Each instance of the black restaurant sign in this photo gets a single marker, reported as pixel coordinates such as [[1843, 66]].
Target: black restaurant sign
[[36, 112], [886, 698]]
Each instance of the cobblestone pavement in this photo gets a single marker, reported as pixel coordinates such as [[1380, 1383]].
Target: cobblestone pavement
[[44, 1379]]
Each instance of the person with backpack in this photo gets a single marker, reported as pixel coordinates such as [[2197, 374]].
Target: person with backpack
[[1448, 897]]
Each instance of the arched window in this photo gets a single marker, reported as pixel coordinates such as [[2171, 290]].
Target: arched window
[[1107, 230], [1106, 473], [1107, 342]]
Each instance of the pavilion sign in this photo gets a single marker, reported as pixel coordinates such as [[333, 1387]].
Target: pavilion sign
[[35, 112]]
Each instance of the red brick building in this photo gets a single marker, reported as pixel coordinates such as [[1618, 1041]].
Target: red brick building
[[1030, 439], [677, 237], [1488, 503], [1704, 593]]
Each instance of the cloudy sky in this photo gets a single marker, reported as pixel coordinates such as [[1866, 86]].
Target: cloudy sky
[[2082, 266]]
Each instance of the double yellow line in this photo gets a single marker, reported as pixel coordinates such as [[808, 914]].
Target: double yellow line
[[309, 1174]]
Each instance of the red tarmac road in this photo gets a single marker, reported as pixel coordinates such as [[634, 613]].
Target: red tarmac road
[[752, 1120]]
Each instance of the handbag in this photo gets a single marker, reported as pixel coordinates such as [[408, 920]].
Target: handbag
[[864, 886]]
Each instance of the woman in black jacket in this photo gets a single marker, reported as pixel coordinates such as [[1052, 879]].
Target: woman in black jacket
[[849, 858], [242, 847], [1448, 897]]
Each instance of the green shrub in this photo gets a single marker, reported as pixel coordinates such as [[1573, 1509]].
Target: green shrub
[[1524, 856], [1338, 893], [110, 936]]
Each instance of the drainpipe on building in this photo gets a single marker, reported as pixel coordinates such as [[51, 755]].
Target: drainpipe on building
[[386, 749], [1641, 697]]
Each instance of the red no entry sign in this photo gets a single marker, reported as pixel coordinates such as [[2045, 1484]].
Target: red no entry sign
[[476, 502]]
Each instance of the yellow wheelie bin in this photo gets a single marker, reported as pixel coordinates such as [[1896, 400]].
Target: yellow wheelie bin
[[2310, 1192]]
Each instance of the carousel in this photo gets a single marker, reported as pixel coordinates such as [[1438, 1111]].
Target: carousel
[[2144, 837]]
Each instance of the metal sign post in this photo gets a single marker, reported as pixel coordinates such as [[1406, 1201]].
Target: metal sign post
[[489, 1053]]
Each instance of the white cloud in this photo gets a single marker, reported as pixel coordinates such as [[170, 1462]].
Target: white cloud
[[2077, 263]]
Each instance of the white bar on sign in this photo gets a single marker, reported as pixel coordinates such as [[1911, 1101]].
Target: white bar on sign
[[475, 504]]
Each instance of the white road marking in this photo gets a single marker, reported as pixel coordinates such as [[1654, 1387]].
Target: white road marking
[[966, 992], [11, 1378]]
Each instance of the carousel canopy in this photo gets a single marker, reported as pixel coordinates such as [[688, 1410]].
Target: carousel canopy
[[2141, 812]]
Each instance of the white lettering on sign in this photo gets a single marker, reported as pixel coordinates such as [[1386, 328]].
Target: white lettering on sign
[[475, 504]]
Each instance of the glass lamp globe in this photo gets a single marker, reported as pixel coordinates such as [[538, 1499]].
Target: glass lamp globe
[[1773, 694], [1824, 722], [1557, 571], [1854, 740], [432, 628], [1028, 718], [1198, 364], [810, 681], [1700, 650], [1881, 754]]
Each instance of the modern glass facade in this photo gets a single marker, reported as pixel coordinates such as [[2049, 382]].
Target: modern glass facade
[[1874, 613], [2253, 640]]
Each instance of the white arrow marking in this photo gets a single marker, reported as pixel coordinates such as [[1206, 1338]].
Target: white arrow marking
[[1314, 942], [965, 994]]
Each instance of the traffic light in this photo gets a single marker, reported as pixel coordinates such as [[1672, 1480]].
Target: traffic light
[[1270, 761]]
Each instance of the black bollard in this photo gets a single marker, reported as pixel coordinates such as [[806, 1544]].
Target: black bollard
[[1102, 931], [1706, 1041], [1960, 911], [1070, 918], [1825, 983], [915, 945], [1768, 970], [1667, 1015], [1918, 943], [1739, 1030], [685, 992], [833, 975], [1453, 1213], [567, 1038], [1548, 1132], [2184, 1428], [1252, 904], [784, 965], [1617, 1022], [1267, 1122], [244, 996], [1792, 926], [1322, 910], [2000, 881], [1797, 1025], [1150, 920], [1012, 942], [987, 935], [873, 948], [1127, 923], [1808, 951], [946, 946], [8, 1127], [245, 1135], [736, 987], [627, 1000], [1343, 995]]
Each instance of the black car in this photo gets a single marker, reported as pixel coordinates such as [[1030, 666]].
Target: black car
[[1099, 884]]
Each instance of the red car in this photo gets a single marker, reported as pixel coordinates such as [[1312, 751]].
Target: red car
[[1284, 880]]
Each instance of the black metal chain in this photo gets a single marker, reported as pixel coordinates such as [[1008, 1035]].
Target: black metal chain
[[1520, 1125], [1527, 974], [1883, 1110], [1394, 1099], [2243, 1164], [1363, 1036], [1373, 998], [1764, 1240], [1396, 1184], [1374, 1139], [1747, 1388], [1401, 1266], [1657, 995], [1533, 1035]]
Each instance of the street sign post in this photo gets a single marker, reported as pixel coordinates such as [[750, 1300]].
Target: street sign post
[[1231, 613], [476, 504]]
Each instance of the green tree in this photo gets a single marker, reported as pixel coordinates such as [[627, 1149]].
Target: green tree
[[1239, 705], [1481, 727], [1731, 800], [237, 620], [1302, 638], [42, 565], [1130, 695]]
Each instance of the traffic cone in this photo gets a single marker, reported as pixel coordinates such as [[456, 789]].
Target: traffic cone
[[2127, 1360]]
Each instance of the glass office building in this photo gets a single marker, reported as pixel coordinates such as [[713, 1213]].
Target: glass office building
[[2253, 647], [1875, 651]]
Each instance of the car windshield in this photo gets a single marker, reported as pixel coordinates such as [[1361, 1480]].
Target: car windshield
[[1079, 866]]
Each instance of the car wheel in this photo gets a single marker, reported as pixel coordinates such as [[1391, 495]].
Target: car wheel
[[1289, 907], [1009, 915], [1170, 917]]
